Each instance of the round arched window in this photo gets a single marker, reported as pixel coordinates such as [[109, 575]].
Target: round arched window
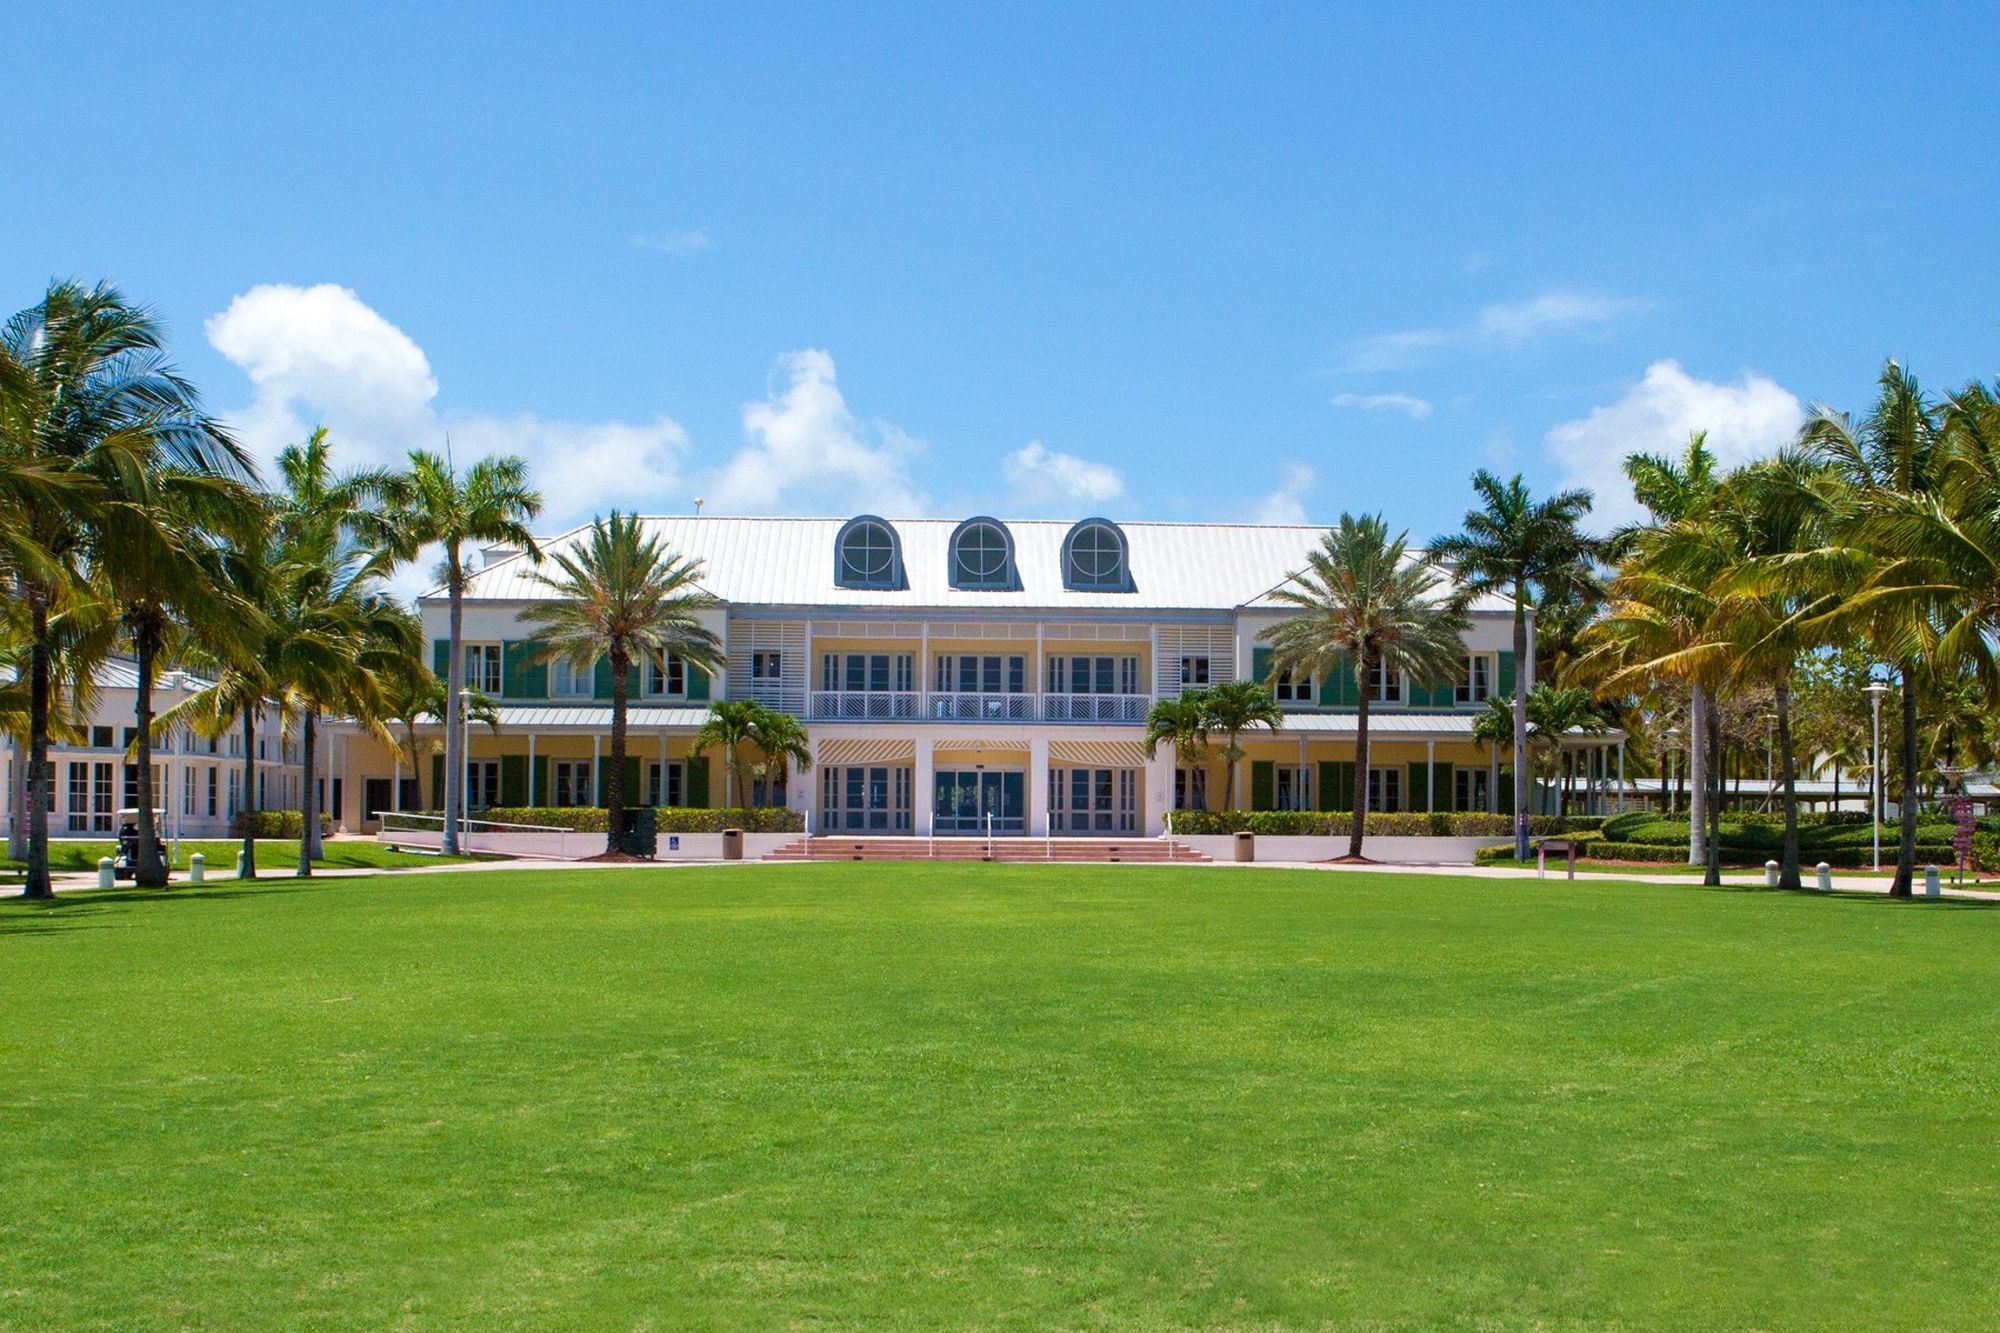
[[981, 556], [867, 556], [1095, 556]]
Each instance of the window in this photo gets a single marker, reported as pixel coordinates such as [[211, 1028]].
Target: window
[[482, 668], [100, 738], [1194, 672], [868, 555], [188, 805], [982, 555], [1478, 682], [1385, 684], [666, 785], [1190, 789], [766, 665], [235, 793], [856, 672], [572, 782], [1385, 789], [1287, 686], [969, 674], [566, 682], [1094, 675], [482, 784], [212, 811], [1093, 558], [1470, 789], [666, 675], [1294, 788]]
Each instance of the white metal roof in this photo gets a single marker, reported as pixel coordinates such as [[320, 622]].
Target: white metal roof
[[1381, 726], [790, 562], [122, 673]]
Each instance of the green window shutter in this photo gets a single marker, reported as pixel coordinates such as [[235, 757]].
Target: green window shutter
[[1419, 786], [1343, 786], [1505, 676], [1447, 788], [522, 677], [632, 681], [1505, 802], [1329, 784], [1260, 664], [1263, 784], [513, 779], [1329, 689], [697, 782], [697, 682], [635, 786], [601, 681], [540, 794], [437, 782], [1350, 691], [440, 656]]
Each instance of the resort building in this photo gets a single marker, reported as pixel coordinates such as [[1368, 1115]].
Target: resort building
[[975, 677], [197, 780]]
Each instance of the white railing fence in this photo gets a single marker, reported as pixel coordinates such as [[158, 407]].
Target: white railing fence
[[409, 829]]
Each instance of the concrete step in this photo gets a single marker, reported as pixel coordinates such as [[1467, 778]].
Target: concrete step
[[1066, 851]]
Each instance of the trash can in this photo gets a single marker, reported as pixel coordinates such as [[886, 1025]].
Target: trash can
[[732, 844], [641, 834], [1246, 846]]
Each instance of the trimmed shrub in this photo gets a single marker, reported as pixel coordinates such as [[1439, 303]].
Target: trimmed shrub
[[1335, 823], [671, 819], [278, 825]]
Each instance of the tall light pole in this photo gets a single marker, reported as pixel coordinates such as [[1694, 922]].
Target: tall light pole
[[1876, 689]]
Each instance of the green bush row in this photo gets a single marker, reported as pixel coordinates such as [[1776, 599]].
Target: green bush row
[[278, 825], [1845, 858], [1401, 824], [671, 819], [1753, 837]]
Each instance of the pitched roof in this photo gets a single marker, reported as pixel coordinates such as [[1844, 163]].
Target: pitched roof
[[790, 562]]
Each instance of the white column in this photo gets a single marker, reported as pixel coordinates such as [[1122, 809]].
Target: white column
[[396, 782], [1158, 797], [812, 672], [1299, 782], [1621, 777], [923, 800], [1431, 775], [1038, 787], [532, 793], [596, 771]]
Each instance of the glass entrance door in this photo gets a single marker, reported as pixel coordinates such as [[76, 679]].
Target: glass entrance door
[[966, 797], [1094, 800]]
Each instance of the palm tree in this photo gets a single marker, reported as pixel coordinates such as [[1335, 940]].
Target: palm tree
[[491, 502], [1183, 723], [1235, 707], [417, 693], [622, 596], [1519, 547], [1908, 549], [740, 724], [88, 394], [1363, 605], [1554, 713]]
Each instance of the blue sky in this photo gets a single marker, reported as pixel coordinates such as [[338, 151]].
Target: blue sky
[[1224, 262]]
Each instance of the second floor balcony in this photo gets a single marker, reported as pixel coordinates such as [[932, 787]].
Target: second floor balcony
[[976, 706]]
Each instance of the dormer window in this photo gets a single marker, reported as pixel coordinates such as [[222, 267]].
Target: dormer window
[[868, 554], [982, 556], [1094, 558]]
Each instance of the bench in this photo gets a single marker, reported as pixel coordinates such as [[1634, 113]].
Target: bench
[[1564, 847]]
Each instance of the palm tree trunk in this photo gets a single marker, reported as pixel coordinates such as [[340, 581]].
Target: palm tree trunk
[[308, 798], [1904, 885], [454, 686], [1522, 776], [1713, 874], [1697, 777], [1358, 826], [36, 883], [150, 872], [1788, 869], [1231, 755], [614, 781], [244, 810], [315, 839], [17, 803]]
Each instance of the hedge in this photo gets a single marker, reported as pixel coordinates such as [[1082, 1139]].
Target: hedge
[[671, 819], [279, 825], [1848, 858], [1761, 838], [1400, 824]]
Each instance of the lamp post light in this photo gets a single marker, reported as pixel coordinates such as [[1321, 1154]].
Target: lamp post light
[[1876, 689]]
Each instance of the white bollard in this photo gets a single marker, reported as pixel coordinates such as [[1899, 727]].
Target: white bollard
[[106, 876], [1770, 874], [239, 863], [197, 866], [1931, 889], [1825, 878]]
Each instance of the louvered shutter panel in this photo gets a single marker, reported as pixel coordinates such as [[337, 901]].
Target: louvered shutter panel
[[513, 779], [1263, 784]]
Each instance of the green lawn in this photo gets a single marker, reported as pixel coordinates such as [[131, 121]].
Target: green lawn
[[66, 855], [912, 1096]]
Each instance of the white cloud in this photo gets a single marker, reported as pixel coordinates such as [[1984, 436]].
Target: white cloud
[[1416, 409], [806, 449], [1042, 478], [1748, 418], [1557, 313], [322, 356], [1286, 504], [689, 241]]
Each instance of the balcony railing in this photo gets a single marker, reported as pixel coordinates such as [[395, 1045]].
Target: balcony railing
[[951, 706], [864, 705], [1096, 707], [976, 706]]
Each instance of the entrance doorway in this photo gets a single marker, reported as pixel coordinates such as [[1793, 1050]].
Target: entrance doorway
[[970, 800], [1094, 800]]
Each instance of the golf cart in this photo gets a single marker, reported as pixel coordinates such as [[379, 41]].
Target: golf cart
[[126, 866]]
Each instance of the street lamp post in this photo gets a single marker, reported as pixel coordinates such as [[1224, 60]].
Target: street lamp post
[[1876, 689]]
